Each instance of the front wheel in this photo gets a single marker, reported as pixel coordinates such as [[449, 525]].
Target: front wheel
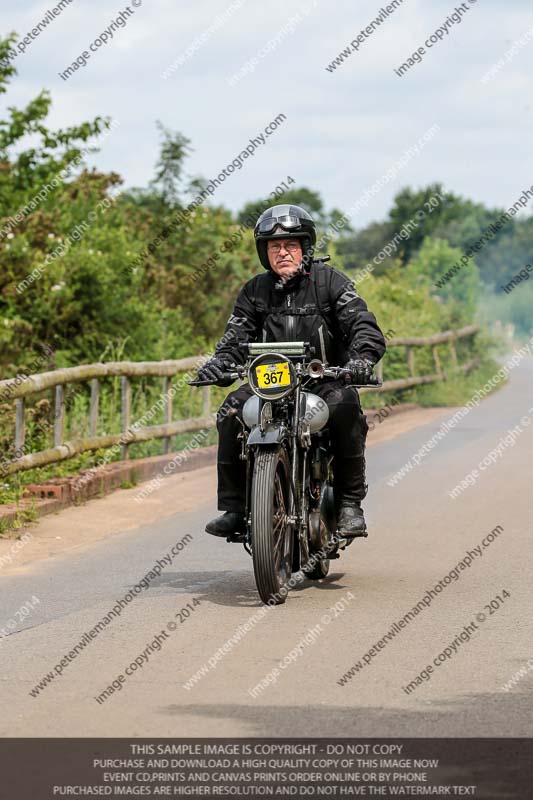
[[271, 534]]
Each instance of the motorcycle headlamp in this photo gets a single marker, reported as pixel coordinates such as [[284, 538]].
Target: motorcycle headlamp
[[272, 376]]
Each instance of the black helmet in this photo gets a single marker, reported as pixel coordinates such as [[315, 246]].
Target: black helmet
[[285, 222]]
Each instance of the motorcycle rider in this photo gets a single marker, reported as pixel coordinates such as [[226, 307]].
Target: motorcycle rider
[[298, 298]]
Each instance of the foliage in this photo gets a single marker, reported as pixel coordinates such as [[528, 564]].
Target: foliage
[[358, 250], [455, 220], [457, 390], [451, 210], [84, 302], [459, 296], [169, 168]]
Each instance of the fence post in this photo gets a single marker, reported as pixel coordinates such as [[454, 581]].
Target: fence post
[[453, 353], [167, 412], [20, 428], [126, 413], [95, 402], [436, 361], [59, 415], [411, 361], [206, 401]]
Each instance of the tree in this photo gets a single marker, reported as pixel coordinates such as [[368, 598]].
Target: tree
[[67, 235], [25, 170], [169, 175], [406, 205], [362, 247], [461, 293]]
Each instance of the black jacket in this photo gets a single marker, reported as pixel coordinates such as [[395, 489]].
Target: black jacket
[[321, 307]]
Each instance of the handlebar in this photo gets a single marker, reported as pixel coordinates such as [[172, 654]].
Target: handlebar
[[329, 372]]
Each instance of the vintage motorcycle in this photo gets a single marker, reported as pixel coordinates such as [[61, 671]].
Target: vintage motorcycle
[[290, 509]]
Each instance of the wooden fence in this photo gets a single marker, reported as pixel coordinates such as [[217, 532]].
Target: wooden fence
[[20, 388]]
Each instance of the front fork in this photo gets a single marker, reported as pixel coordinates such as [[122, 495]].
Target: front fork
[[299, 499]]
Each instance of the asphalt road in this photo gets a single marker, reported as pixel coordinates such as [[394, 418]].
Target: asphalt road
[[418, 535]]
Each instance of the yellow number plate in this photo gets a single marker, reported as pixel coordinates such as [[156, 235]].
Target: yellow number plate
[[271, 375]]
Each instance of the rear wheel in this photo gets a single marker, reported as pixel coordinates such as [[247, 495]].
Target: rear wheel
[[318, 538], [271, 535], [322, 523], [318, 571]]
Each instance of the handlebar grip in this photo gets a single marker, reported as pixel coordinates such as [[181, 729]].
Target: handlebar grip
[[233, 375], [337, 372]]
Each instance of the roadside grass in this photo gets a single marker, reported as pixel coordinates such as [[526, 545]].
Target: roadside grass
[[458, 389]]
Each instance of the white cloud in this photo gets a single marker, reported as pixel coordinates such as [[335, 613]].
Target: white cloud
[[344, 129]]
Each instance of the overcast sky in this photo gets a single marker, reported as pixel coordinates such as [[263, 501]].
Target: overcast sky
[[344, 129]]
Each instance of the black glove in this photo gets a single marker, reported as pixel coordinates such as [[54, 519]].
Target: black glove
[[361, 369], [215, 369]]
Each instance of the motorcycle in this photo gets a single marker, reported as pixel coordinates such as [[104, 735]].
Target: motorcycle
[[290, 506]]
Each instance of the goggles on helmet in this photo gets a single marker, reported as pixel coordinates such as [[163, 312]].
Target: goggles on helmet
[[287, 222]]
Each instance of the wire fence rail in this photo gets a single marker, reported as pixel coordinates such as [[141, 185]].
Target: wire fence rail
[[20, 388]]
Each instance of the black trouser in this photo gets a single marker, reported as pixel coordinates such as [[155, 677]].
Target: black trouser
[[347, 427]]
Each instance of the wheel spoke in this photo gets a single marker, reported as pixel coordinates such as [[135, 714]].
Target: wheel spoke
[[278, 541], [278, 530], [279, 496]]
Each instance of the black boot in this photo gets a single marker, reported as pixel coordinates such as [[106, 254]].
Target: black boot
[[350, 488], [351, 522], [229, 523]]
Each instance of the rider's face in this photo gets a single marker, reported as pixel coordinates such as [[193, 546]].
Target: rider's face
[[284, 256]]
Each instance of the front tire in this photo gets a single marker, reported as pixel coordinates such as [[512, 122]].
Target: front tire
[[271, 535]]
